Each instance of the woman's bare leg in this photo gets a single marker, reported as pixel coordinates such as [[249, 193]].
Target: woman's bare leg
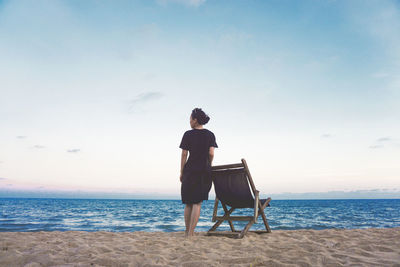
[[194, 218], [187, 213]]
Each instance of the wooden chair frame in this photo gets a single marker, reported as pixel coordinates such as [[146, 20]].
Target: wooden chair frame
[[258, 208]]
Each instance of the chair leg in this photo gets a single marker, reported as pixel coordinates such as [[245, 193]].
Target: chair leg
[[227, 215], [230, 222], [231, 225], [265, 204], [244, 231], [261, 212], [265, 221], [218, 223], [215, 226], [215, 209]]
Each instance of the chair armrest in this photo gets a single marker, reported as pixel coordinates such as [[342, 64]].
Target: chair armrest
[[257, 197]]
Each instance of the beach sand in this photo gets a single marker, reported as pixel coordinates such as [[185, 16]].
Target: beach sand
[[361, 247]]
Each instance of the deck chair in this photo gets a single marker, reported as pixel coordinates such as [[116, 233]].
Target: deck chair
[[232, 184]]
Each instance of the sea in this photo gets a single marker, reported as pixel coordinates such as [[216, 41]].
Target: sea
[[27, 215]]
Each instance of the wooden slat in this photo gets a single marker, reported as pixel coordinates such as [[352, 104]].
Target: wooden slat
[[235, 234], [215, 226], [228, 166], [226, 211], [235, 218], [265, 221], [256, 200], [258, 232], [224, 170], [246, 229], [246, 167], [228, 234], [263, 214], [267, 202]]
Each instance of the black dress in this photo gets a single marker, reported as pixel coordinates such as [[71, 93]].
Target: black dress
[[196, 179]]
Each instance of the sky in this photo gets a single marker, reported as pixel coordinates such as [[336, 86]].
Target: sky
[[95, 95]]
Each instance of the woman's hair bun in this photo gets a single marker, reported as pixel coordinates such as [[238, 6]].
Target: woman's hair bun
[[200, 115]]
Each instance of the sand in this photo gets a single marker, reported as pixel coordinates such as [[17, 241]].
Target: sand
[[361, 247]]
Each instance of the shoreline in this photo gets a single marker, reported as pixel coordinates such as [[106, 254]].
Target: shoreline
[[330, 247]]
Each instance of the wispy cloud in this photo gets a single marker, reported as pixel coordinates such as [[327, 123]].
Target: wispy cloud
[[376, 146], [384, 139], [21, 136], [143, 98], [39, 146], [74, 150], [2, 178], [146, 97], [326, 135], [192, 3]]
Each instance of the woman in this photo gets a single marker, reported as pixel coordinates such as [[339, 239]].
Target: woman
[[196, 171]]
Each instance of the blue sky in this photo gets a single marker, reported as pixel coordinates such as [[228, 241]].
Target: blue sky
[[96, 95]]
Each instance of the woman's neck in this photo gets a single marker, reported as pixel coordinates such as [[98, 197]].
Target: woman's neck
[[199, 127]]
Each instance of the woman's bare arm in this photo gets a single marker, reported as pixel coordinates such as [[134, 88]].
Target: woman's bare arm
[[183, 161], [211, 154]]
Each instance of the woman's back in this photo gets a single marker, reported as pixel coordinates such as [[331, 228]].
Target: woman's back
[[198, 142]]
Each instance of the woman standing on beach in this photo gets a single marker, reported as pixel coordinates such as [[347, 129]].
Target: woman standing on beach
[[196, 171]]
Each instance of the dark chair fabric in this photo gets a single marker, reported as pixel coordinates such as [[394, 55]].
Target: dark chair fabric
[[232, 188]]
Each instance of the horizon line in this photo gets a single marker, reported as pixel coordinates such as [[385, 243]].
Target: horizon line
[[178, 199]]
